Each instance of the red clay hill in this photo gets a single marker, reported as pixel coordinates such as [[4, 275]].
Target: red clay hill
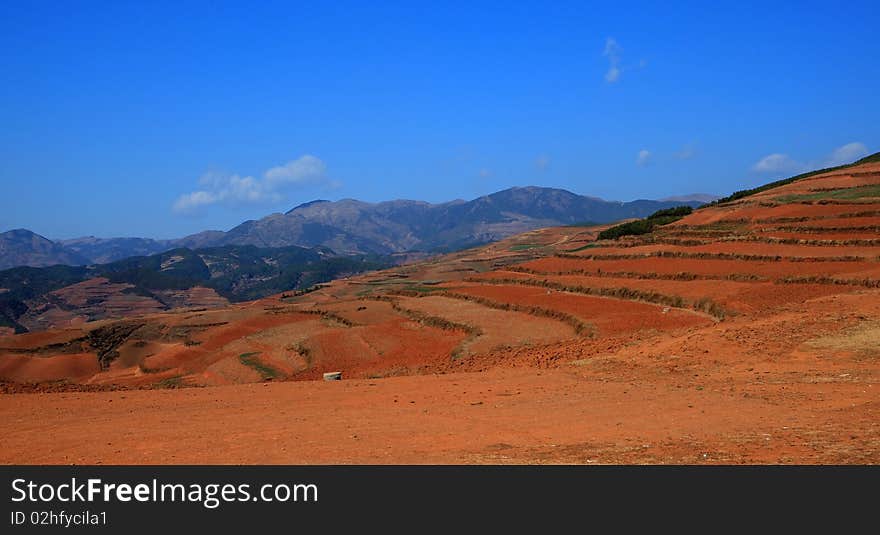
[[745, 332]]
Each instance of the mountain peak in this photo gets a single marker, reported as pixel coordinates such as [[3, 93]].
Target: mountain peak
[[23, 247], [305, 205]]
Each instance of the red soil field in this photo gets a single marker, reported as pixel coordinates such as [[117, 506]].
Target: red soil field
[[866, 174], [31, 368], [700, 266], [745, 248], [615, 317], [500, 327], [748, 212], [39, 338], [835, 222], [780, 373], [827, 236], [742, 297]]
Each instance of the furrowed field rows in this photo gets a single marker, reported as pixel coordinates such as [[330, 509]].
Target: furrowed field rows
[[708, 267], [622, 290], [607, 318], [497, 328], [751, 238], [742, 251], [665, 253], [720, 297]]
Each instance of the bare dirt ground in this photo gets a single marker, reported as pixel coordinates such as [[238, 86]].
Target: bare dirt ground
[[750, 333], [496, 416]]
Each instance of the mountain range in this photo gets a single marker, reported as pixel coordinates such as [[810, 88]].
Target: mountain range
[[350, 226], [36, 298]]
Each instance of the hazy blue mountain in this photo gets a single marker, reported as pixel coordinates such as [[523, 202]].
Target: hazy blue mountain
[[21, 247], [351, 226]]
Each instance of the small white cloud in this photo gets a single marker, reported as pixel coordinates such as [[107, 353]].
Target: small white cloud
[[542, 162], [612, 52], [643, 158], [687, 152], [847, 154], [304, 169], [485, 173], [777, 163], [235, 190], [612, 75], [190, 201]]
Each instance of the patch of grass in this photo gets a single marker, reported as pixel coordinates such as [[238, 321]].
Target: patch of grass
[[584, 247], [862, 339], [524, 246], [251, 360], [171, 382]]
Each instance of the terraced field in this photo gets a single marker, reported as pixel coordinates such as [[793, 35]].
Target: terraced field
[[760, 313]]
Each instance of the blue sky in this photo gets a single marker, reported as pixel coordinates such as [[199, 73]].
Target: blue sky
[[163, 119]]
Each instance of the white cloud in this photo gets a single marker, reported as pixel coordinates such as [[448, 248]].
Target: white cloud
[[542, 162], [485, 173], [776, 163], [783, 163], [612, 52], [643, 158], [300, 171], [687, 152], [235, 189], [847, 154]]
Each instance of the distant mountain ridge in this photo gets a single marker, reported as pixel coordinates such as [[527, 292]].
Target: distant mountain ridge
[[350, 226], [21, 247], [40, 298]]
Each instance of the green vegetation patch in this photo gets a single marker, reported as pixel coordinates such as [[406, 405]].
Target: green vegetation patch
[[644, 226], [583, 248], [524, 246], [251, 360]]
